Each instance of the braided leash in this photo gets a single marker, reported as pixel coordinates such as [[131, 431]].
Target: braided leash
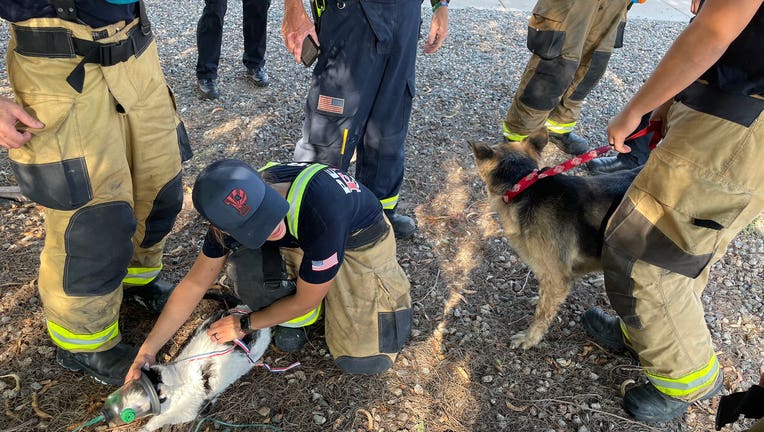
[[536, 175]]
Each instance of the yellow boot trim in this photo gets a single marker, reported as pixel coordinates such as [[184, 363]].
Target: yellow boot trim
[[304, 320], [559, 128], [390, 203], [81, 342], [139, 276], [508, 134], [688, 384]]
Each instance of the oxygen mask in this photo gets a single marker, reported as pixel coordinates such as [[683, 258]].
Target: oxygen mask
[[134, 400]]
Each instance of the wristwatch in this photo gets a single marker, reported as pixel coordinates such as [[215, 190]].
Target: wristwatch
[[244, 322]]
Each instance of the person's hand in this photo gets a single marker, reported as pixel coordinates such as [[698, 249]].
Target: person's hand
[[438, 30], [226, 329], [10, 114], [660, 114], [295, 27], [142, 360], [620, 127]]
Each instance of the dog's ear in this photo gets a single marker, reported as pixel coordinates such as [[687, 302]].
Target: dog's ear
[[481, 150], [538, 140]]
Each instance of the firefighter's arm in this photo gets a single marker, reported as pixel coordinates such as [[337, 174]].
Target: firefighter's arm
[[307, 297], [296, 26], [438, 29], [182, 302], [11, 114], [696, 49]]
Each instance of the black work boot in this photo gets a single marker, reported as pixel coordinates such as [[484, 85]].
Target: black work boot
[[289, 339], [106, 367], [647, 404], [209, 88], [258, 76], [570, 143], [608, 164], [403, 226], [605, 330], [152, 296]]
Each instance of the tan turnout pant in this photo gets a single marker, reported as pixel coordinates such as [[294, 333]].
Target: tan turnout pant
[[107, 169], [700, 187], [571, 41], [367, 312]]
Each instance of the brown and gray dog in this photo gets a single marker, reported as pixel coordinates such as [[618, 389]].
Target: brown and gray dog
[[556, 226]]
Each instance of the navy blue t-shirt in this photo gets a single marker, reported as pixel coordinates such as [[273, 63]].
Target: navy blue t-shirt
[[333, 207], [95, 13]]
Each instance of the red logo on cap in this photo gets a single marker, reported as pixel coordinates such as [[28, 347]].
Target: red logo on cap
[[238, 200]]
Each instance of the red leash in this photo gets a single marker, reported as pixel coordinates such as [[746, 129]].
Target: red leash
[[535, 175]]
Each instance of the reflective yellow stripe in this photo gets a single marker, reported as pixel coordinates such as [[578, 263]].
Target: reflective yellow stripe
[[687, 384], [141, 275], [508, 134], [268, 165], [294, 197], [389, 203], [559, 128], [304, 320], [81, 342], [624, 331]]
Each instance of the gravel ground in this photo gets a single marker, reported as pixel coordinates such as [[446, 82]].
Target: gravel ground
[[471, 292]]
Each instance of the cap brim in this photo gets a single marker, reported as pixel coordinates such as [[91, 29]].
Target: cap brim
[[256, 230]]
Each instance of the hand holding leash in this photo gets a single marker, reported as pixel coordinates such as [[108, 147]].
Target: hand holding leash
[[620, 127]]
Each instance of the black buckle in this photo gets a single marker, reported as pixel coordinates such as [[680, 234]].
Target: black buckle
[[116, 52]]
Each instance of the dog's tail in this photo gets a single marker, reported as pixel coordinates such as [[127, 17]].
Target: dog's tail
[[229, 301]]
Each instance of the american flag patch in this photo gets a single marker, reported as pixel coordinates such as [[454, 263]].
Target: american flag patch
[[331, 104], [325, 264]]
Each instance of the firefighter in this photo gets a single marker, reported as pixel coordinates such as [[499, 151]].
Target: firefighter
[[571, 42], [97, 144], [362, 88], [700, 187], [337, 247]]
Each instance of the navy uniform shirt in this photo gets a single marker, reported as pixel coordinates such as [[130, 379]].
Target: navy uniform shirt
[[94, 13], [333, 206], [740, 70]]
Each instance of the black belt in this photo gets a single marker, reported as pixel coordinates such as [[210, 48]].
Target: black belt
[[367, 235], [58, 42], [737, 108]]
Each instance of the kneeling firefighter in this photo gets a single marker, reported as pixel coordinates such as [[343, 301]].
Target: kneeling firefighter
[[338, 251], [95, 139]]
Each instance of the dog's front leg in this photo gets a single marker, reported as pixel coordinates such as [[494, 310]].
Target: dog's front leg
[[553, 289]]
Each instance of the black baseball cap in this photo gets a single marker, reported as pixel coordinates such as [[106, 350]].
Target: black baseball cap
[[233, 197]]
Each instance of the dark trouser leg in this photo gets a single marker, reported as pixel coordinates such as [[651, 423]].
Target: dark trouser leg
[[209, 37], [255, 26], [345, 81]]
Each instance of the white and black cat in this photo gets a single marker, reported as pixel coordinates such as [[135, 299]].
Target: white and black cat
[[201, 372]]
